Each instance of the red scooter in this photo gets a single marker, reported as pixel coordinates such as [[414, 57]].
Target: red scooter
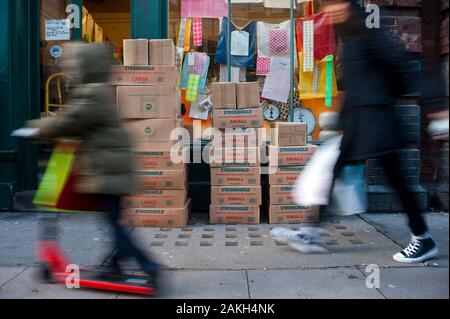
[[55, 268]]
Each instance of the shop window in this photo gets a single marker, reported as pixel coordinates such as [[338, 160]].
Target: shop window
[[260, 38]]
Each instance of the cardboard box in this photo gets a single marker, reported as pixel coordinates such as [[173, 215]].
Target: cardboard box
[[236, 195], [238, 156], [144, 75], [291, 155], [161, 160], [157, 217], [247, 95], [289, 134], [155, 179], [293, 214], [152, 134], [135, 52], [236, 176], [148, 102], [156, 199], [223, 95], [247, 138], [245, 118], [286, 175], [161, 52], [228, 214], [281, 195]]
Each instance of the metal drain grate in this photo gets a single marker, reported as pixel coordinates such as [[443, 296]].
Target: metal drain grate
[[231, 244], [244, 236], [157, 244]]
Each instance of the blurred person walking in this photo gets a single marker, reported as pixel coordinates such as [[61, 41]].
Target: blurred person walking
[[104, 164], [376, 72]]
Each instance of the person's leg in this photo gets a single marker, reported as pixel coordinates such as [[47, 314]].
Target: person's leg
[[421, 247], [391, 165], [125, 247]]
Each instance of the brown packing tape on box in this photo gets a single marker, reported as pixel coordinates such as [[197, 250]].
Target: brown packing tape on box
[[157, 217], [144, 75], [152, 134], [291, 155], [135, 52], [247, 95], [162, 160], [223, 95], [281, 195], [293, 214], [156, 179], [230, 214], [289, 134], [148, 102], [236, 195], [161, 52], [286, 175], [156, 199], [238, 156], [245, 118], [236, 176]]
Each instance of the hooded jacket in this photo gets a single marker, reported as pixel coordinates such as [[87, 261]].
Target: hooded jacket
[[104, 162]]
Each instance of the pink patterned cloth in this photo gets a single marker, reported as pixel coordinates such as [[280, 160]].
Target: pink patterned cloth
[[278, 41], [263, 65], [197, 27]]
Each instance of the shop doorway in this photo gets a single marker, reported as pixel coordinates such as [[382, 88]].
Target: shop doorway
[[101, 21]]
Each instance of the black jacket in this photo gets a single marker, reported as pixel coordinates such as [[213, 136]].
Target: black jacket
[[376, 72]]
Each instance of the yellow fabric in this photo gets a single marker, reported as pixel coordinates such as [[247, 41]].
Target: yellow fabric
[[55, 177], [187, 35], [306, 85]]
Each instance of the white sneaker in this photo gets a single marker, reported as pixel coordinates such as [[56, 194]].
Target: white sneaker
[[304, 240]]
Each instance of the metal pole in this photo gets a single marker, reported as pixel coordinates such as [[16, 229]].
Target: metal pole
[[229, 41], [292, 56]]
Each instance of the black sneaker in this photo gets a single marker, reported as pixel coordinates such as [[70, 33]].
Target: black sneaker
[[417, 251]]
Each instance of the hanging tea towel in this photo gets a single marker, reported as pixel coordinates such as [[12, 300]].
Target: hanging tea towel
[[308, 46], [187, 35], [197, 28]]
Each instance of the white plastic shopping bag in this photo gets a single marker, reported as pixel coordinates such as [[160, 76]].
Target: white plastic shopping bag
[[349, 192], [313, 186]]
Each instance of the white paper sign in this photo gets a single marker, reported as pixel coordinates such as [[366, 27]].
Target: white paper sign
[[57, 30], [278, 83], [240, 42]]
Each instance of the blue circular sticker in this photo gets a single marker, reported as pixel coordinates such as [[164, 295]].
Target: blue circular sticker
[[56, 51]]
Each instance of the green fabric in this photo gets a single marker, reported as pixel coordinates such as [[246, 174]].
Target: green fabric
[[329, 81], [192, 88]]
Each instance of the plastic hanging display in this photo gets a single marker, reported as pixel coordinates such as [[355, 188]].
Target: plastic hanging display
[[203, 69], [239, 43]]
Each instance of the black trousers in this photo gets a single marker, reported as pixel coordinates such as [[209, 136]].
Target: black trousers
[[125, 247], [391, 165]]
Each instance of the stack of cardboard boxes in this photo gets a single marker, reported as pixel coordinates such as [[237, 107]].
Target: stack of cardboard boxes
[[288, 155], [148, 99], [236, 194]]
